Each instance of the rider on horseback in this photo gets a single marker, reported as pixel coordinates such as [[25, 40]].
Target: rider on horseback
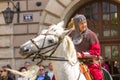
[[87, 45]]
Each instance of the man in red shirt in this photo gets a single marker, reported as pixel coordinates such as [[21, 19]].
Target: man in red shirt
[[86, 44], [50, 72]]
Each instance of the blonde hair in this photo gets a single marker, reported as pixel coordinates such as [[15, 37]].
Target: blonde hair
[[71, 24]]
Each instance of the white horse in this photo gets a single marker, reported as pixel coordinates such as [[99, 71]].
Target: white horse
[[54, 44]]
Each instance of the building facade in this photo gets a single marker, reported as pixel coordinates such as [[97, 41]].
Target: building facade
[[103, 18]]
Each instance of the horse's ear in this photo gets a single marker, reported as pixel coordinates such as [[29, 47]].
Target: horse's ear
[[60, 24], [66, 32], [44, 31]]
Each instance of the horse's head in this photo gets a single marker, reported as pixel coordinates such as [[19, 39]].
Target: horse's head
[[45, 42]]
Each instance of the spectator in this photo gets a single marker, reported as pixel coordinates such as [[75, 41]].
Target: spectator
[[27, 65], [22, 69], [11, 74], [4, 74], [50, 72], [103, 64], [41, 74], [115, 70], [0, 73]]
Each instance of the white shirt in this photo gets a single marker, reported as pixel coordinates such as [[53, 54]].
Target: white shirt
[[22, 78], [50, 74]]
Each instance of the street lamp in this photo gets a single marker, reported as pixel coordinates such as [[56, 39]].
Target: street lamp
[[9, 14]]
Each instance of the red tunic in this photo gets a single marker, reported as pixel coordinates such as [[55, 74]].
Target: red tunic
[[96, 72], [90, 46]]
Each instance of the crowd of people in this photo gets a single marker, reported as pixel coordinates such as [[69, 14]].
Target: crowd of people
[[44, 73]]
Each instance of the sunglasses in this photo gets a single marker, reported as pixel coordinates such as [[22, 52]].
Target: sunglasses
[[41, 69]]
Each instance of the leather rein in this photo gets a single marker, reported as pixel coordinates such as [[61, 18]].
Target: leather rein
[[40, 55]]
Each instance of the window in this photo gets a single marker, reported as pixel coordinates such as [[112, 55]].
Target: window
[[109, 18], [111, 52], [102, 16]]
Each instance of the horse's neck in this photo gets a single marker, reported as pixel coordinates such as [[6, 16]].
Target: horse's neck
[[70, 50], [66, 70], [67, 50]]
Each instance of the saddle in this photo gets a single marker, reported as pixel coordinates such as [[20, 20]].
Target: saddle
[[84, 68]]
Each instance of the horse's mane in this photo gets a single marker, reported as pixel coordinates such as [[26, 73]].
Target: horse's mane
[[70, 49]]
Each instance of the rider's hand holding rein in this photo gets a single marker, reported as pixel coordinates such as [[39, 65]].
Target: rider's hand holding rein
[[79, 55]]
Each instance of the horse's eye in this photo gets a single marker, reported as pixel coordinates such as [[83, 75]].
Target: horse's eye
[[50, 41]]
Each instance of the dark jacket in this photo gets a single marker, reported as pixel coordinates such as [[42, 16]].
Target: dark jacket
[[6, 78]]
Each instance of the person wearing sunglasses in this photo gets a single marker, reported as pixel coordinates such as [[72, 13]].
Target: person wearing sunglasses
[[42, 74]]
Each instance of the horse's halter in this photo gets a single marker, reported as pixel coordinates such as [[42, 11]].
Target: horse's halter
[[41, 55]]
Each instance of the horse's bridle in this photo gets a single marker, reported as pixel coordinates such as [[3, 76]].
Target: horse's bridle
[[50, 57], [41, 56]]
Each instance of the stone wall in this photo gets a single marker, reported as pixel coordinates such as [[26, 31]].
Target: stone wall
[[14, 34]]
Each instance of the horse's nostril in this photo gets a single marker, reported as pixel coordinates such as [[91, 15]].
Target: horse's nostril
[[24, 50], [50, 41]]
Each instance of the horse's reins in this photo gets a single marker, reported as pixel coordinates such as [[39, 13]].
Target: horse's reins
[[49, 57]]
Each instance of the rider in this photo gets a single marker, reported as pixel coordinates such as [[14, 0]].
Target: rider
[[86, 44]]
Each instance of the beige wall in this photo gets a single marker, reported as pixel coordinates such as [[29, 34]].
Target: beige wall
[[15, 34]]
